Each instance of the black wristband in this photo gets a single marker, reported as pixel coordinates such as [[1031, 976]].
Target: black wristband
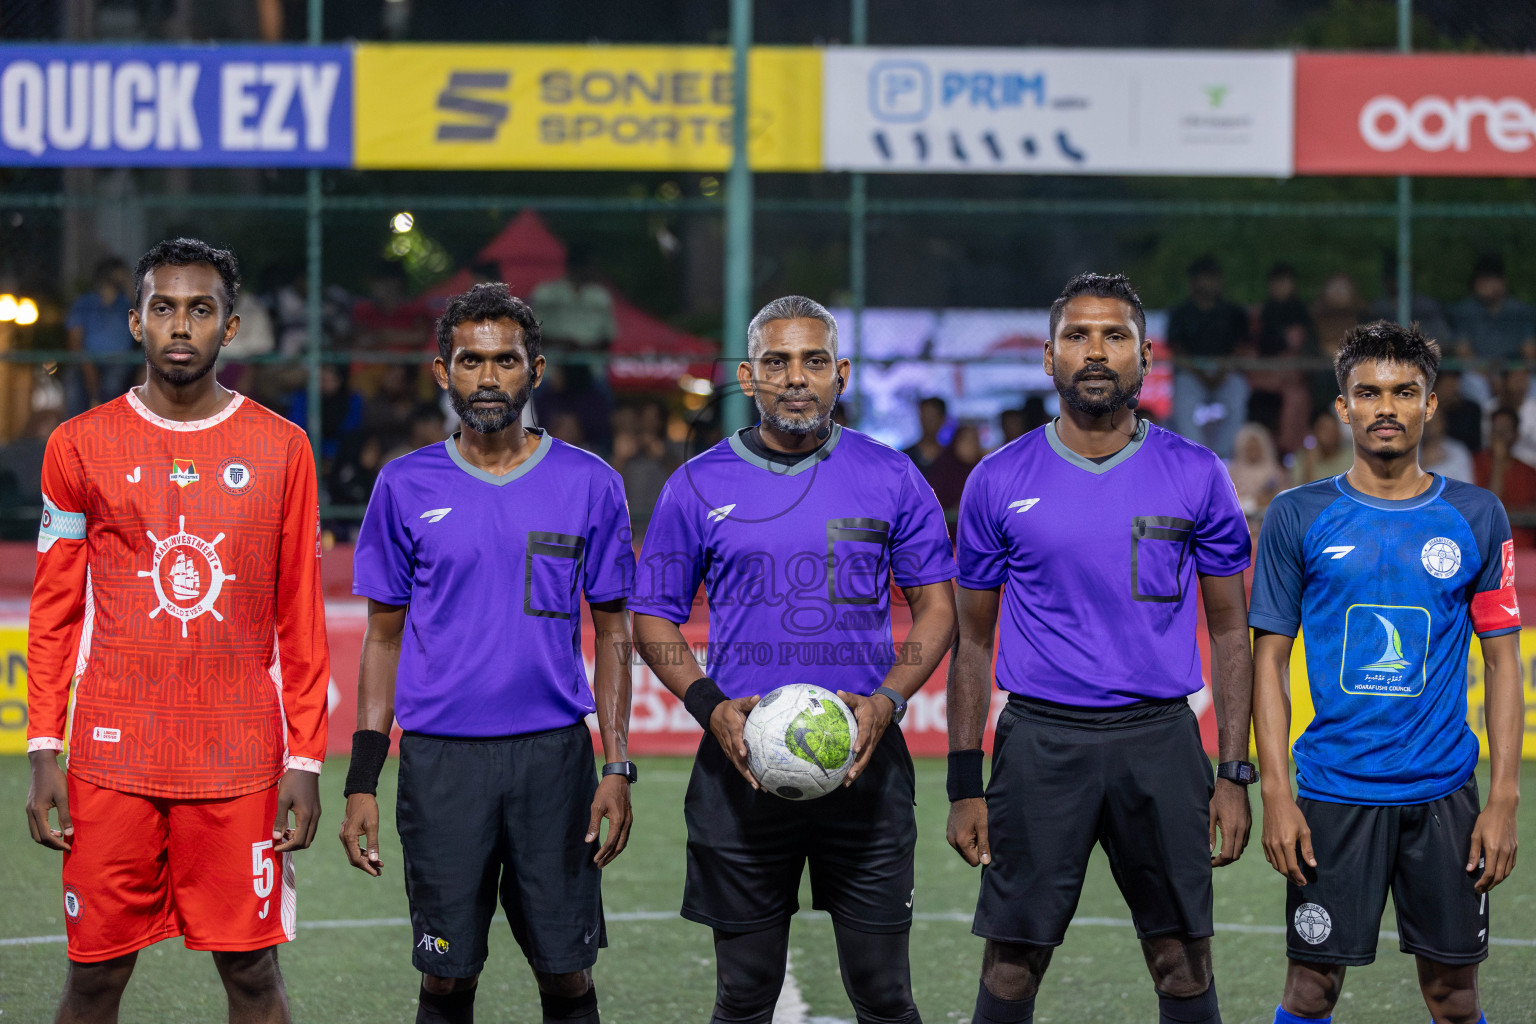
[[369, 749], [702, 698], [964, 781]]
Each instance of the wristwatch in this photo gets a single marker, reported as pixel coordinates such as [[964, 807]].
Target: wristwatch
[[1241, 772], [896, 699], [624, 768]]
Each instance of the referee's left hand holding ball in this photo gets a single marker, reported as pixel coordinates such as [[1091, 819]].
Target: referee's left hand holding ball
[[873, 717]]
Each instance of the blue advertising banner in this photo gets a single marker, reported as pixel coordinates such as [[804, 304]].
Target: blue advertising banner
[[187, 106]]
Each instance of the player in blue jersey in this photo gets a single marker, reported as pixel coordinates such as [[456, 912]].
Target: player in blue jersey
[[1387, 569], [1083, 543], [797, 527], [474, 554]]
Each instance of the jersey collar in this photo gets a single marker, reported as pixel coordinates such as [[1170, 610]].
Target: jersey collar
[[1391, 504], [816, 458], [184, 426], [546, 442], [1097, 468]]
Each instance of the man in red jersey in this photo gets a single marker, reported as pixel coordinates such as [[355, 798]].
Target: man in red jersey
[[178, 577]]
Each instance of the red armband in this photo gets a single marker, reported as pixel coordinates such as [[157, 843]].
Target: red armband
[[1498, 609]]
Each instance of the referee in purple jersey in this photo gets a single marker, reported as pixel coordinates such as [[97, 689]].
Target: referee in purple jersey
[[474, 556], [797, 528], [1088, 536]]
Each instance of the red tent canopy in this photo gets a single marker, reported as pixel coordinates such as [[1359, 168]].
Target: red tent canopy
[[647, 353]]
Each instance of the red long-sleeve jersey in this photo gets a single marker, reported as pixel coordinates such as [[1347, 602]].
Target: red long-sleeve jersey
[[178, 576]]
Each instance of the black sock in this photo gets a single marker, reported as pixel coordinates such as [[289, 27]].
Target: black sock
[[1200, 1009], [992, 1010], [580, 1009], [449, 1008]]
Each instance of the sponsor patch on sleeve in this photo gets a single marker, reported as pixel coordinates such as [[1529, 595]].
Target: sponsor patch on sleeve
[[58, 525], [1509, 564]]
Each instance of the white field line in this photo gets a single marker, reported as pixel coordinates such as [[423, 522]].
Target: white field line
[[791, 1007], [955, 916]]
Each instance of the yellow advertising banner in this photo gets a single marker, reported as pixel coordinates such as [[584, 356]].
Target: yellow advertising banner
[[581, 107], [13, 689], [1301, 694]]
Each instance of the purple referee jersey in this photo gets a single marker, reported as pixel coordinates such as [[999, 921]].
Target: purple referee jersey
[[1098, 561], [797, 560], [493, 569]]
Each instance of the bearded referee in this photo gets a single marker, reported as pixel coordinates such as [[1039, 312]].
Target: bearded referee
[[796, 527], [1089, 536], [474, 554]]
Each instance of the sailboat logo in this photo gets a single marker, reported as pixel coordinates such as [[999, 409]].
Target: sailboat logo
[[1391, 659], [186, 581]]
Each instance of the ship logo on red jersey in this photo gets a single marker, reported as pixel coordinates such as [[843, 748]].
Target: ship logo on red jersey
[[187, 575], [183, 473]]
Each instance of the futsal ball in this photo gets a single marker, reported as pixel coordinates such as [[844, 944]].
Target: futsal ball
[[800, 741]]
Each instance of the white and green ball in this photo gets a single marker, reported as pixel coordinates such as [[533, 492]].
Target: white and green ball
[[800, 741]]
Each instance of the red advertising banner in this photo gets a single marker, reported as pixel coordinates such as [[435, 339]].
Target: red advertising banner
[[1439, 115], [658, 723]]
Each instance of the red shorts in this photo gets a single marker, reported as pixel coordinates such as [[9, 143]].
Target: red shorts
[[144, 869]]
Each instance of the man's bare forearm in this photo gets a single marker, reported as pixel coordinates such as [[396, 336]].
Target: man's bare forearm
[[611, 682], [378, 668], [967, 697], [1272, 712], [1232, 691], [929, 639], [662, 647], [1226, 619], [970, 669], [1504, 712]]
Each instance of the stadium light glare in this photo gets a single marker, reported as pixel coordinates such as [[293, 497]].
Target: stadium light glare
[[402, 222], [7, 307], [694, 385], [26, 313]]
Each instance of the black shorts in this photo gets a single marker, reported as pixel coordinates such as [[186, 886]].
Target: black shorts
[[747, 848], [1419, 852], [1135, 780], [511, 814]]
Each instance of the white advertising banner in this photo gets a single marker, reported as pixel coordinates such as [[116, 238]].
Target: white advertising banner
[[1058, 111]]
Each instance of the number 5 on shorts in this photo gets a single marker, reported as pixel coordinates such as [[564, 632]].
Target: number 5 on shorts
[[261, 867]]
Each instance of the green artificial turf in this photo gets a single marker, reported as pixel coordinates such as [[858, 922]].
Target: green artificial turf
[[349, 964]]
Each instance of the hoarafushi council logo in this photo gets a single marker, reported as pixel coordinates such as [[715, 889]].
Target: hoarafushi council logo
[[235, 476], [187, 575]]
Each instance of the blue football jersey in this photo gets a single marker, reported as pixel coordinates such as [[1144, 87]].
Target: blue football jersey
[[1385, 594]]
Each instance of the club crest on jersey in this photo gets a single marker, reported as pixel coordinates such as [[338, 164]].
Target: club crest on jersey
[[183, 473], [71, 903], [187, 575], [1441, 557], [235, 476]]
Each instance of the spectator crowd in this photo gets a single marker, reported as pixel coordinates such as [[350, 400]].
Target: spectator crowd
[[1274, 424]]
